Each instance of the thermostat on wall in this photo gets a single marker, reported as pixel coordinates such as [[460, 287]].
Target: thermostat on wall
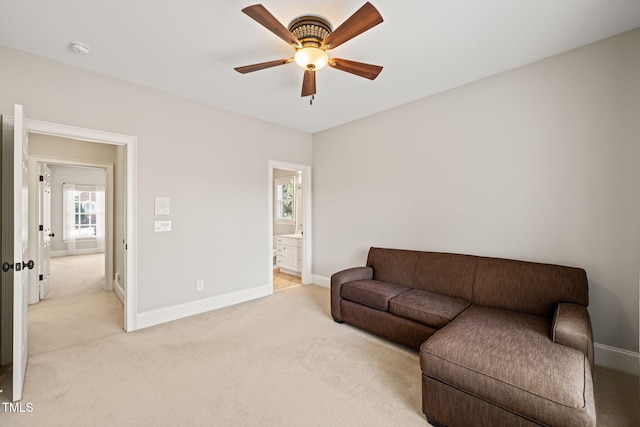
[[162, 206]]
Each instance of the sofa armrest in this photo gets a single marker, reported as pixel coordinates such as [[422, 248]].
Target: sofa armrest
[[341, 277], [572, 328]]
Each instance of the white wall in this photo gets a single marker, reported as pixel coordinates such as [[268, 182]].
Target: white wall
[[540, 163], [213, 165]]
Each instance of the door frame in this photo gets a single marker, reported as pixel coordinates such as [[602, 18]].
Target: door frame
[[40, 218], [129, 143], [307, 237], [34, 160]]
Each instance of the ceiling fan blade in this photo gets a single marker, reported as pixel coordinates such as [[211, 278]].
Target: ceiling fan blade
[[309, 83], [358, 68], [364, 19], [261, 15], [256, 67]]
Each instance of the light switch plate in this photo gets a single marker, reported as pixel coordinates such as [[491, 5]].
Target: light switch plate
[[162, 226], [163, 206]]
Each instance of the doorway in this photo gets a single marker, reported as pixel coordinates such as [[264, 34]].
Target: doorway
[[123, 240], [80, 191], [76, 301], [290, 228], [13, 309], [71, 296]]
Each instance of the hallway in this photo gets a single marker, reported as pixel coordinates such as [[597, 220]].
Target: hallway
[[77, 309]]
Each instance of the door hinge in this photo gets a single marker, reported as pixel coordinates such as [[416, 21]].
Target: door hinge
[[41, 277], [41, 228], [41, 178]]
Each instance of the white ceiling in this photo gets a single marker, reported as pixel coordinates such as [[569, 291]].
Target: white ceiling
[[190, 47]]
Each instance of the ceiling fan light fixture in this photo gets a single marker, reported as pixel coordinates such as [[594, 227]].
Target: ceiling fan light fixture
[[311, 58], [312, 36]]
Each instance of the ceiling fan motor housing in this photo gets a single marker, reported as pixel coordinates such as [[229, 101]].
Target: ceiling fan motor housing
[[310, 30]]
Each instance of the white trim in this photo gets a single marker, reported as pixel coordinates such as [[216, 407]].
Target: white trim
[[175, 312], [617, 358], [131, 235], [82, 134], [64, 252], [323, 281], [290, 272], [307, 217], [117, 287]]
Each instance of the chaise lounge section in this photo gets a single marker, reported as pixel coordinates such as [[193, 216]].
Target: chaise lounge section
[[501, 342]]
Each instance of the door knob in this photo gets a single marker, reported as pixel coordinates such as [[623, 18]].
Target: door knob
[[52, 234], [18, 266]]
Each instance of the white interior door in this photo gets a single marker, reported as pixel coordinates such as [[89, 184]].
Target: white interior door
[[15, 237], [44, 229]]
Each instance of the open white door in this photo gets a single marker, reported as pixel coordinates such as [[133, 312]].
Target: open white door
[[44, 229], [15, 238]]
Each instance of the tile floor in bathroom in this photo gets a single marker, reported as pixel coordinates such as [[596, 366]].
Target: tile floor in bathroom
[[283, 280]]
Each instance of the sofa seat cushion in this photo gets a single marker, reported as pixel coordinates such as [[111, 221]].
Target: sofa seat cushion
[[509, 358], [428, 308], [372, 293]]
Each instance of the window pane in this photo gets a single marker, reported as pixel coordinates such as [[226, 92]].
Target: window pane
[[85, 217], [284, 199]]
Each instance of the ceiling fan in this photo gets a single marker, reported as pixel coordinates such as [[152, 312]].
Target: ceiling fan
[[312, 36]]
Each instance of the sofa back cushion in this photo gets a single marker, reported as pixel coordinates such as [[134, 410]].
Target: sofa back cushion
[[522, 286], [528, 287], [446, 274], [393, 265], [442, 273]]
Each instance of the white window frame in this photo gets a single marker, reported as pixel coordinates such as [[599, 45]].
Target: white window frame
[[279, 203], [79, 189]]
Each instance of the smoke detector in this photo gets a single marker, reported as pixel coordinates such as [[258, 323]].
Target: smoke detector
[[79, 48]]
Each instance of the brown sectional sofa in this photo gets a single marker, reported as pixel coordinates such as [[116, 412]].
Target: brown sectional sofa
[[502, 342]]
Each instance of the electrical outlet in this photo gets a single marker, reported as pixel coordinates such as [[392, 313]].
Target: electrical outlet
[[200, 285]]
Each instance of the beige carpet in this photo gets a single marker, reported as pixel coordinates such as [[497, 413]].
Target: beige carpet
[[77, 309], [277, 361]]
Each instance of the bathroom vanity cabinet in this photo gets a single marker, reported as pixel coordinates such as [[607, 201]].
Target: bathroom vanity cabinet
[[289, 253]]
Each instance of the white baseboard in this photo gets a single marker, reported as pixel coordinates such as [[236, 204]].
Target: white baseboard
[[168, 314], [323, 281], [118, 289], [89, 251], [290, 272], [617, 358]]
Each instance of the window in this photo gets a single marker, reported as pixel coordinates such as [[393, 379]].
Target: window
[[83, 208], [85, 213], [285, 200]]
